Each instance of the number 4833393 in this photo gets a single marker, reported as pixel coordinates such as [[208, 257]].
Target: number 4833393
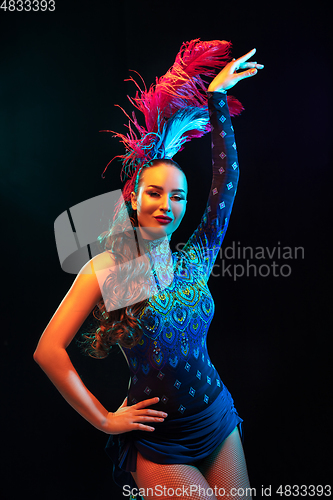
[[27, 5]]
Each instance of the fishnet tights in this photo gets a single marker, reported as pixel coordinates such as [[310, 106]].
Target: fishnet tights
[[208, 479]]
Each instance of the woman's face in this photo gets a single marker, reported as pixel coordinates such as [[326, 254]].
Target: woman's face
[[160, 201]]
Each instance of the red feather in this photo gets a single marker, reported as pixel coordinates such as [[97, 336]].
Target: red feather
[[200, 55], [182, 86]]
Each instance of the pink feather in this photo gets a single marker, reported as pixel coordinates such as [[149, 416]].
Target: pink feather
[[198, 55], [182, 86]]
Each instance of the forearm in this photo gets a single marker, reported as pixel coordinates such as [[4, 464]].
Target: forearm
[[60, 370], [224, 157]]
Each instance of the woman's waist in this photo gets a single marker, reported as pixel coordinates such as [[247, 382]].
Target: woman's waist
[[176, 397], [219, 409]]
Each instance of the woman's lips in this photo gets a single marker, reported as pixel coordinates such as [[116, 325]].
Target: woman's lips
[[163, 220]]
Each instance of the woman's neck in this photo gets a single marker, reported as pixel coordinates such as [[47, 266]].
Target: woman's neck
[[161, 258], [157, 245]]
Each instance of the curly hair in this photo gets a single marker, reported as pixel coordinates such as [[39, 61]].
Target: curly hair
[[128, 281]]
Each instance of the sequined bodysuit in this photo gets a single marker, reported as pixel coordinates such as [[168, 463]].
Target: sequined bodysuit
[[171, 361]]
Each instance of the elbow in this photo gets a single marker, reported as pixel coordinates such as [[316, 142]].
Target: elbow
[[36, 356], [40, 355], [46, 356]]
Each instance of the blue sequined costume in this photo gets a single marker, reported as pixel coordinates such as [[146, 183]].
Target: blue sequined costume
[[171, 360]]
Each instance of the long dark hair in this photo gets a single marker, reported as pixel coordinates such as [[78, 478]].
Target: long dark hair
[[121, 326]]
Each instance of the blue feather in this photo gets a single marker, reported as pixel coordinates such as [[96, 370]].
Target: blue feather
[[172, 138]]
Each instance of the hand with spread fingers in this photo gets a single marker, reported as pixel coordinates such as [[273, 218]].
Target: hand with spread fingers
[[228, 77], [129, 418]]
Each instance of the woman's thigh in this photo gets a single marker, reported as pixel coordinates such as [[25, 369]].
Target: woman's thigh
[[225, 469], [168, 481]]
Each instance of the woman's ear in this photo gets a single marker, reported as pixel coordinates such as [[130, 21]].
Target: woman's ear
[[133, 200]]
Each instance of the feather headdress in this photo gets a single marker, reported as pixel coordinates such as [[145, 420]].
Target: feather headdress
[[175, 108]]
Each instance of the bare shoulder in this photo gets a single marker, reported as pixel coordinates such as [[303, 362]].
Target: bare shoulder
[[103, 261], [98, 264]]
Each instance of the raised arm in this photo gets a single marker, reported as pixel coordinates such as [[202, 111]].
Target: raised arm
[[204, 244], [52, 357]]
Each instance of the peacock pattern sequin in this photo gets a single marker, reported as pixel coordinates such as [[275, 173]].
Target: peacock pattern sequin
[[171, 361]]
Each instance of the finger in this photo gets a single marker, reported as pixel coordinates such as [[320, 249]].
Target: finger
[[142, 427], [250, 64], [246, 56], [152, 412], [124, 403], [145, 418], [147, 402], [246, 74]]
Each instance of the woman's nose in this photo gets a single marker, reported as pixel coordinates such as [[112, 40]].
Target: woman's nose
[[165, 203]]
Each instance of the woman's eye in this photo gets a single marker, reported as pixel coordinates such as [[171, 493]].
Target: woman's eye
[[175, 197]]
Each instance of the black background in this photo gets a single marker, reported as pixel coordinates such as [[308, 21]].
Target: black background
[[61, 73]]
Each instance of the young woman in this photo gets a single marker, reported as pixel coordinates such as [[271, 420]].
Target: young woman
[[177, 433]]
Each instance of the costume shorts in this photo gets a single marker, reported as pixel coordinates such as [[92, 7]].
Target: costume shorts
[[182, 440]]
